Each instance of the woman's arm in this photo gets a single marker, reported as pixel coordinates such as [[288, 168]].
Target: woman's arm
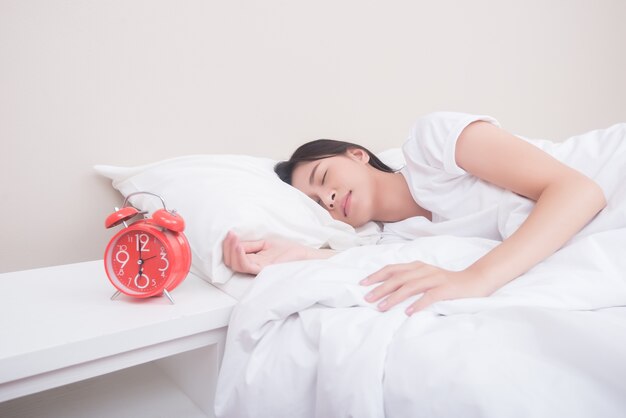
[[566, 201], [252, 256]]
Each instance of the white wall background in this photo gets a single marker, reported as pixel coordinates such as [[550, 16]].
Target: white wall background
[[133, 81]]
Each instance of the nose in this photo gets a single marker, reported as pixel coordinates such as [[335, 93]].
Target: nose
[[330, 201]]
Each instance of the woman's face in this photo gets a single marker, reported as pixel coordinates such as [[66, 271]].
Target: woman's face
[[343, 185]]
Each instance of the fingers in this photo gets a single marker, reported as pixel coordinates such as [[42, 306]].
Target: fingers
[[389, 271], [236, 254], [427, 299], [391, 283], [227, 247], [243, 264], [252, 246], [401, 281], [410, 288], [399, 288], [396, 276], [381, 275]]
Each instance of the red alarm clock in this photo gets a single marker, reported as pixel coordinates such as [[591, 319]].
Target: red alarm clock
[[149, 257]]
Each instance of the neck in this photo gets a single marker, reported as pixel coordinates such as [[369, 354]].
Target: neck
[[394, 201]]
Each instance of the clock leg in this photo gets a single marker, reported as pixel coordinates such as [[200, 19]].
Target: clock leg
[[166, 293], [116, 294]]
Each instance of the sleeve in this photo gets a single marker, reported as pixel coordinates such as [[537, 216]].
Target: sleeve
[[433, 138]]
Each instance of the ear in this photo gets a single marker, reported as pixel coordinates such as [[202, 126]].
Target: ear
[[358, 154]]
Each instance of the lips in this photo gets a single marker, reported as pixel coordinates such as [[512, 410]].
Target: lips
[[345, 204]]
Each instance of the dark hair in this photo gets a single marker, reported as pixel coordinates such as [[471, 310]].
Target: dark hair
[[323, 148]]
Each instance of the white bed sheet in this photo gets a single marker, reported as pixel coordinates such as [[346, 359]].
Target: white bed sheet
[[302, 342]]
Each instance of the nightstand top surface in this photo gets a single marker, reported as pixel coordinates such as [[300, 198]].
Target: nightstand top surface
[[49, 312]]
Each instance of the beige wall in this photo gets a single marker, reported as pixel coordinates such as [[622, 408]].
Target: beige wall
[[128, 82]]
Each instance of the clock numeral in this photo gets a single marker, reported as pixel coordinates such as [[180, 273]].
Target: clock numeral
[[142, 241], [167, 263], [145, 282], [122, 256]]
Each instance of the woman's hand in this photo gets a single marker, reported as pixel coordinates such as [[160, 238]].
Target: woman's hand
[[252, 256], [401, 281]]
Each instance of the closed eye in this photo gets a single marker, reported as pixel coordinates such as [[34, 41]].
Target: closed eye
[[319, 201]]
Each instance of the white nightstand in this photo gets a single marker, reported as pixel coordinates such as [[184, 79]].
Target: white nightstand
[[67, 350]]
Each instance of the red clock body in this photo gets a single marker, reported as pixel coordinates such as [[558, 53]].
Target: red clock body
[[144, 259]]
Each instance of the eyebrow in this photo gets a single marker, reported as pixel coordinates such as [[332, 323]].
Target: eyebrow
[[312, 176]]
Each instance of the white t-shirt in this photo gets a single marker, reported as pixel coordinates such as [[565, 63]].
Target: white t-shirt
[[464, 205]]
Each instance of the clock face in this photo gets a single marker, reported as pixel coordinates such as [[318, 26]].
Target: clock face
[[139, 261]]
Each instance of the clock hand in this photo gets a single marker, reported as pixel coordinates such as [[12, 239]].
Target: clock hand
[[140, 261], [149, 258]]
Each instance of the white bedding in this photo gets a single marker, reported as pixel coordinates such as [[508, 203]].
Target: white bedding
[[303, 342], [236, 286]]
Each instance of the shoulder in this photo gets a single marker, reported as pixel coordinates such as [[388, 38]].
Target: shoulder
[[433, 138]]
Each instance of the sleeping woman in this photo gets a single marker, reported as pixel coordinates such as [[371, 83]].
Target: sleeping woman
[[458, 169]]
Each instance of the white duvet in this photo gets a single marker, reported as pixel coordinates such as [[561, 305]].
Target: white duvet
[[552, 343]]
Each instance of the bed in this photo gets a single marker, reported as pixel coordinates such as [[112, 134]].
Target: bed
[[303, 342]]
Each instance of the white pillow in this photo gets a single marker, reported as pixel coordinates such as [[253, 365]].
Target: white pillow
[[393, 157], [218, 193]]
